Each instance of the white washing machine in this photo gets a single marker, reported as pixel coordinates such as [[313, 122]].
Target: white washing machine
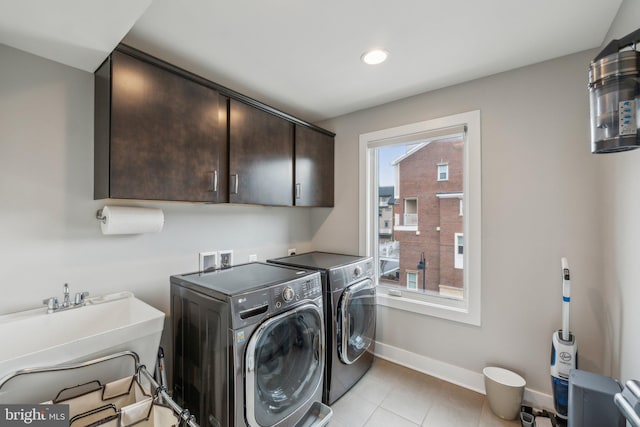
[[350, 316], [248, 345]]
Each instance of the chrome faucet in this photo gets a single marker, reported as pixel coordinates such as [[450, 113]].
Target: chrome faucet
[[67, 301], [53, 305]]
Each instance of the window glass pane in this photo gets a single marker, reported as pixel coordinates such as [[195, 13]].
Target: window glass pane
[[443, 172], [410, 212], [411, 281], [422, 215], [393, 160]]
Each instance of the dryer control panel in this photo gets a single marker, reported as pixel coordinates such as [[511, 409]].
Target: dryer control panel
[[343, 276]]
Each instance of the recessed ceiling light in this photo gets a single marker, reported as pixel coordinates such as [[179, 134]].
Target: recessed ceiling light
[[374, 56]]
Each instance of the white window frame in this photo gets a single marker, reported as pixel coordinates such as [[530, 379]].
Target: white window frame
[[402, 225], [415, 281], [458, 260], [467, 310], [446, 171], [406, 205]]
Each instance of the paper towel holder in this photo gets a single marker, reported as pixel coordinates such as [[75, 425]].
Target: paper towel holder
[[130, 220], [100, 217]]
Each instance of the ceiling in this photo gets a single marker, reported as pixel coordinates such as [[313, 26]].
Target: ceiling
[[79, 33], [304, 58]]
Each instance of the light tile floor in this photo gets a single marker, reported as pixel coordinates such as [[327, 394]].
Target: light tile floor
[[391, 395]]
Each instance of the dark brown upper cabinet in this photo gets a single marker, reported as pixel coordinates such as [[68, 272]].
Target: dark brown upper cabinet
[[314, 153], [260, 156], [158, 135]]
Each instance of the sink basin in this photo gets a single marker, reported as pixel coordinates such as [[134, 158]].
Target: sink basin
[[105, 325]]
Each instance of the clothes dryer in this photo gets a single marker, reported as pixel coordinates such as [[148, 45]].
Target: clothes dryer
[[248, 345], [350, 316]]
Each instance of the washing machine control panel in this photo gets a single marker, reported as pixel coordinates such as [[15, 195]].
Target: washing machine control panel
[[297, 291], [253, 306], [248, 307]]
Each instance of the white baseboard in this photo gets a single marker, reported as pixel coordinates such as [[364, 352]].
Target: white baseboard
[[453, 374]]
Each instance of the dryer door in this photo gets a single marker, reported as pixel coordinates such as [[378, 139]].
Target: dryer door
[[284, 364], [357, 314]]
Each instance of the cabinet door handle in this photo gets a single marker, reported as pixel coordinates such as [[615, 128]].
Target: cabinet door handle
[[235, 186], [213, 181], [298, 190]]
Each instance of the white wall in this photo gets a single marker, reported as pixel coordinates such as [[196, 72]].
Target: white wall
[[48, 231], [621, 210], [540, 195]]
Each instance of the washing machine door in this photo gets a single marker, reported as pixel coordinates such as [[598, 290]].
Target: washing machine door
[[357, 317], [284, 363]]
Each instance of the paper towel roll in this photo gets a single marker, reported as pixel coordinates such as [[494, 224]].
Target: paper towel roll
[[131, 220]]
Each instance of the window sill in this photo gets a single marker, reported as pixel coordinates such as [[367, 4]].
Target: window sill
[[406, 228], [428, 306]]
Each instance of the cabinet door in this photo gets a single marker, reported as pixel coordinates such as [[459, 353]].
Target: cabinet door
[[167, 140], [260, 157], [314, 168]]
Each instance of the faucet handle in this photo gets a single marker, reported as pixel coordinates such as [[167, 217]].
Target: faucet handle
[[51, 303], [79, 298]]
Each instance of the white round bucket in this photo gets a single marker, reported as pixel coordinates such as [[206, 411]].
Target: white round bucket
[[504, 391]]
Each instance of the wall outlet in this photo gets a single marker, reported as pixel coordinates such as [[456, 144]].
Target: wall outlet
[[226, 258], [291, 251], [253, 258], [208, 261]]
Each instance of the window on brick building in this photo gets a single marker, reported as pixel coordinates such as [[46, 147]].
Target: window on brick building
[[431, 262], [411, 211], [458, 251], [412, 280], [443, 172]]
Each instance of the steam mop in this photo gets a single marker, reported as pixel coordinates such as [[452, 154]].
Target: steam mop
[[564, 350]]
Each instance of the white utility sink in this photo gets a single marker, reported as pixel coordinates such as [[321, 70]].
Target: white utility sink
[[104, 326]]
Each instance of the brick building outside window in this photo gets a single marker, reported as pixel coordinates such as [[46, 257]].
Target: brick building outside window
[[427, 217]]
